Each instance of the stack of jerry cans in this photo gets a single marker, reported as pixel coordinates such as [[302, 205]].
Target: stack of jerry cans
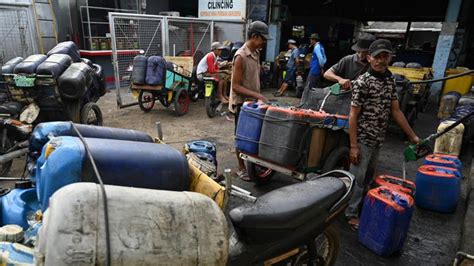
[[385, 219]]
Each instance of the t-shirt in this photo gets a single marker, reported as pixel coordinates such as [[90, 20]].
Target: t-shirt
[[207, 64], [295, 53], [318, 59], [350, 67], [373, 93]]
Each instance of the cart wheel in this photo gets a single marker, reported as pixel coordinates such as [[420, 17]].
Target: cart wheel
[[259, 174], [146, 100], [91, 114], [337, 159], [181, 101]]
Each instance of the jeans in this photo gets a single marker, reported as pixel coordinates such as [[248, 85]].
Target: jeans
[[313, 81], [364, 174]]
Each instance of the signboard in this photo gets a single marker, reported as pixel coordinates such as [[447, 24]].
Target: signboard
[[222, 9]]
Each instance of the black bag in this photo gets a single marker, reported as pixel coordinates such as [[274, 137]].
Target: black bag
[[30, 64], [11, 64], [69, 48], [54, 65], [75, 81]]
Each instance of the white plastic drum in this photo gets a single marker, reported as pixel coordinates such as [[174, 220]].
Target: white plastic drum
[[147, 227]]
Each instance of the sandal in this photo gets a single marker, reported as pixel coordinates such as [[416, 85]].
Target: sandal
[[277, 94], [242, 174], [353, 223]]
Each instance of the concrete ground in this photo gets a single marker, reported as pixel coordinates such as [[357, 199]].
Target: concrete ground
[[433, 238]]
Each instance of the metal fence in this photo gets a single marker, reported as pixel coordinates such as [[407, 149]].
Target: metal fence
[[164, 36], [17, 34]]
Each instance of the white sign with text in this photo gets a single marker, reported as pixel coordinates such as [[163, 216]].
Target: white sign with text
[[222, 9]]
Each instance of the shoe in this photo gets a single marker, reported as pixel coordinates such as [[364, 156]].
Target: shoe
[[242, 174]]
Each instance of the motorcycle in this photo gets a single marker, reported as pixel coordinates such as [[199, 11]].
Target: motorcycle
[[291, 225]]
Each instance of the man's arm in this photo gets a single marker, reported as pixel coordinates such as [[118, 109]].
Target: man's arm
[[237, 87], [331, 75], [400, 119], [353, 117]]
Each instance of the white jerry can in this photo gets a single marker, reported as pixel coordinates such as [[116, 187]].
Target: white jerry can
[[451, 142], [147, 227]]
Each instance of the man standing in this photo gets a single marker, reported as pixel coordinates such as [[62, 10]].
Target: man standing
[[374, 100], [245, 83], [352, 66], [290, 68], [208, 67], [318, 60]]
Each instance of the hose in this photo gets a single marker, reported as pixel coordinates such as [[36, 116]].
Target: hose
[[442, 79], [104, 195]]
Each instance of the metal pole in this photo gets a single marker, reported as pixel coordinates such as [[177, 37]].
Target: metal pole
[[159, 130], [89, 24], [12, 155], [115, 60], [407, 33], [165, 37]]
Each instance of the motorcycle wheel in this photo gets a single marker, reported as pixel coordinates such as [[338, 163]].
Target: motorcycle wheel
[[194, 93], [327, 244], [5, 167], [146, 100], [212, 103], [91, 114], [258, 174]]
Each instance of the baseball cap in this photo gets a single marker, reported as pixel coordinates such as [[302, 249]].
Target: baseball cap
[[363, 42], [260, 28], [379, 46], [217, 46], [291, 41]]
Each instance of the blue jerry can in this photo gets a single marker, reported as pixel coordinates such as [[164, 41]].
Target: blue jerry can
[[249, 127], [385, 220]]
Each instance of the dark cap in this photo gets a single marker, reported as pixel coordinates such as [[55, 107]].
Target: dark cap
[[379, 46], [314, 36], [363, 42], [260, 28]]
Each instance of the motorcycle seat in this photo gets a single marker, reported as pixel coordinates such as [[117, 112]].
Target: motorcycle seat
[[11, 108], [290, 207]]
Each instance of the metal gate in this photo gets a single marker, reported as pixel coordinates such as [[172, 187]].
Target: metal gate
[[164, 36], [18, 37]]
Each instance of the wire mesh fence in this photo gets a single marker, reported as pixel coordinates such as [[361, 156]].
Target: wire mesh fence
[[17, 39], [163, 36]]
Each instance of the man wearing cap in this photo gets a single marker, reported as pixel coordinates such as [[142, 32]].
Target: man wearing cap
[[208, 67], [245, 84], [352, 66], [374, 101], [318, 60], [290, 68]]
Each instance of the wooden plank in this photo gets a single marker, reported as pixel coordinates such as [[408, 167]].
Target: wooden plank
[[147, 87], [184, 62], [281, 257]]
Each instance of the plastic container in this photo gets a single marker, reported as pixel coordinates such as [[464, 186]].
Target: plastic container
[[451, 142], [385, 220], [444, 160], [55, 65], [398, 184], [69, 48], [43, 131], [139, 69], [156, 70], [462, 84], [29, 65], [18, 205], [283, 136], [16, 254], [201, 146], [125, 163], [249, 127], [448, 104], [147, 227], [75, 81], [8, 67], [204, 162], [12, 108], [438, 188]]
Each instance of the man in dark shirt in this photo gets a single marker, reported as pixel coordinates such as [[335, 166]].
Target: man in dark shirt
[[352, 66], [374, 100]]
